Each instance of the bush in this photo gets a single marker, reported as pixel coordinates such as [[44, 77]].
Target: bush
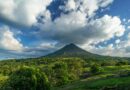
[[96, 69], [122, 63], [27, 78], [61, 75], [109, 63], [75, 69]]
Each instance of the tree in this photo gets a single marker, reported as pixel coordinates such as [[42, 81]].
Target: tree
[[75, 68], [95, 69], [122, 63], [27, 78], [61, 73]]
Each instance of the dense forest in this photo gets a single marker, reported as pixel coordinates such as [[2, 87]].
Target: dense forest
[[64, 74]]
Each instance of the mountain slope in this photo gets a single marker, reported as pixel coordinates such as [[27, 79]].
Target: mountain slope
[[71, 50]]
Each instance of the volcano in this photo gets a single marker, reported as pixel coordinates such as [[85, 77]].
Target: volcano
[[72, 50]]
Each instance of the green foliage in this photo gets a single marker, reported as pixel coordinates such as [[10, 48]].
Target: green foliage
[[96, 69], [75, 68], [60, 70], [109, 63], [99, 82], [2, 80], [122, 63], [27, 78], [64, 71]]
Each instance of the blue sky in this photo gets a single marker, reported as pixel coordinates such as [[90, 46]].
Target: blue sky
[[32, 28]]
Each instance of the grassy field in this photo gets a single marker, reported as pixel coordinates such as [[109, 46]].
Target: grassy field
[[113, 76]]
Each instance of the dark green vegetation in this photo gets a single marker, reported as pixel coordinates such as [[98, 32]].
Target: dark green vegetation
[[70, 68], [26, 78]]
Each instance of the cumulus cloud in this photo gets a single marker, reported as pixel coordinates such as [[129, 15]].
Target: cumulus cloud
[[22, 12], [8, 41], [87, 7], [77, 29], [78, 25], [106, 28]]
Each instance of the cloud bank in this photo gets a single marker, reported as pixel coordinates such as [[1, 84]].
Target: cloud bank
[[22, 12]]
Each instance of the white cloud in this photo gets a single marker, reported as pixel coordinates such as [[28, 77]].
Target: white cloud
[[8, 41], [104, 3], [74, 27], [105, 28], [70, 5], [70, 21], [87, 7], [22, 12]]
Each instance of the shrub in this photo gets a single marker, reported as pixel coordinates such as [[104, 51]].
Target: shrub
[[61, 75], [27, 78], [96, 69], [75, 69], [122, 63]]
